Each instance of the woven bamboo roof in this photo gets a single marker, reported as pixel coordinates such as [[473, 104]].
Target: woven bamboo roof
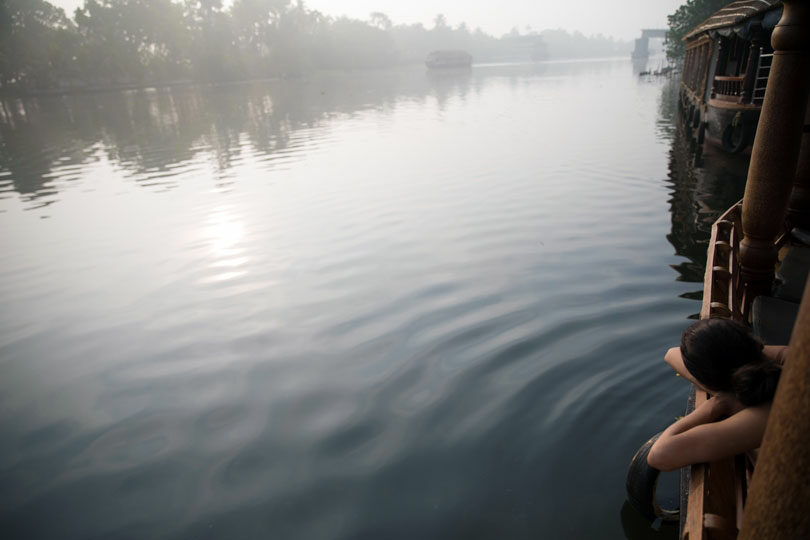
[[733, 14]]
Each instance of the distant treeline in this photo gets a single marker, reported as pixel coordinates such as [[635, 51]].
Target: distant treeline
[[120, 43]]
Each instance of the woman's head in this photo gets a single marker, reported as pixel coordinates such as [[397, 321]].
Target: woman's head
[[724, 356]]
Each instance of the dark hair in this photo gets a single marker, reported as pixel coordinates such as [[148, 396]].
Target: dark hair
[[725, 356]]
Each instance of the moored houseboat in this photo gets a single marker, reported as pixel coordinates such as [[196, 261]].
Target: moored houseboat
[[448, 59], [757, 273], [725, 72]]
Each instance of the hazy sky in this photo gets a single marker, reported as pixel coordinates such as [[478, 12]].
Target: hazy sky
[[619, 18]]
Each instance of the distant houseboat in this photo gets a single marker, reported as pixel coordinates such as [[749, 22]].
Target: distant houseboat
[[728, 59], [448, 59]]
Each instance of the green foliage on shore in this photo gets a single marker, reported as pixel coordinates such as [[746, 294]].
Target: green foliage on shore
[[122, 43], [685, 18]]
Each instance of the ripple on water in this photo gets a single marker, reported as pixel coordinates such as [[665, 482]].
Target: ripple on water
[[339, 316]]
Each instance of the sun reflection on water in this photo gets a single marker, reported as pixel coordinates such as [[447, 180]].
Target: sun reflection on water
[[224, 233]]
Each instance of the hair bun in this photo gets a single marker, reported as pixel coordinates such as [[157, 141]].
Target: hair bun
[[754, 384]]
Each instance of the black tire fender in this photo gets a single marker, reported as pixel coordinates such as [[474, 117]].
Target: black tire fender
[[641, 482], [729, 144]]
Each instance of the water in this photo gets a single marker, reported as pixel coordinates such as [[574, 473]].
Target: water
[[390, 304]]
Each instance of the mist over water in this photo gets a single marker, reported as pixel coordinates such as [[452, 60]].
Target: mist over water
[[389, 304]]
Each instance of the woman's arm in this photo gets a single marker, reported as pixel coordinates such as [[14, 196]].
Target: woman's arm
[[675, 361], [703, 437], [775, 353]]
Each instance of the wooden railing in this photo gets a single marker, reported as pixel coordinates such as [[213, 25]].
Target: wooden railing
[[722, 288], [728, 88], [716, 490], [695, 74]]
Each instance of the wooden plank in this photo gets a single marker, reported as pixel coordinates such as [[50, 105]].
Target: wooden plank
[[693, 529], [711, 492], [721, 104], [706, 305], [721, 498], [733, 268], [729, 216], [740, 486], [712, 486], [730, 98]]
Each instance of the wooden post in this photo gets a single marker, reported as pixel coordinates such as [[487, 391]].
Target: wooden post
[[776, 147], [777, 505], [799, 205], [751, 68], [705, 58], [717, 67]]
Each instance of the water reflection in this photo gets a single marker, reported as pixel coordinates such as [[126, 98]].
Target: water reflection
[[155, 135], [703, 184], [152, 134]]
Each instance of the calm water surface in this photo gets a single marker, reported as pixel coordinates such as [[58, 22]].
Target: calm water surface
[[376, 305]]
